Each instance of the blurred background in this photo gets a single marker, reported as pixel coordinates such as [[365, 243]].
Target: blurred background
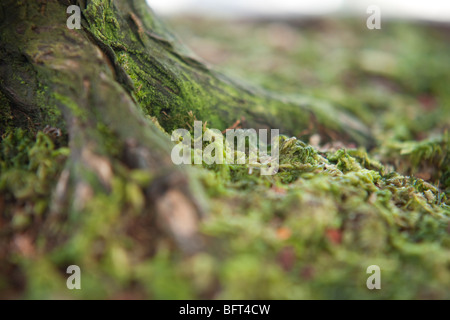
[[434, 10]]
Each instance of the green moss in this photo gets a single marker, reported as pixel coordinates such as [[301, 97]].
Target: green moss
[[70, 104], [310, 231], [429, 158], [29, 166]]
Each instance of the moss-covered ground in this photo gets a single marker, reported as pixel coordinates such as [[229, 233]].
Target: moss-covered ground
[[310, 231]]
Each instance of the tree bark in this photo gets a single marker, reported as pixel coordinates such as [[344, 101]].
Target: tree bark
[[99, 83]]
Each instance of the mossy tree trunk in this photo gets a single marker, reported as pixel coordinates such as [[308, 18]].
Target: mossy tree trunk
[[102, 85]]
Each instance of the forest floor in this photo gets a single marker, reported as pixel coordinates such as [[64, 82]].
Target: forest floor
[[312, 230]]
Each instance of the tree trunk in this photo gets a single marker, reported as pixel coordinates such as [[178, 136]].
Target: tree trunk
[[99, 83]]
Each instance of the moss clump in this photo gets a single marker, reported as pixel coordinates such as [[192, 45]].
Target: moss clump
[[29, 166], [318, 231], [429, 158]]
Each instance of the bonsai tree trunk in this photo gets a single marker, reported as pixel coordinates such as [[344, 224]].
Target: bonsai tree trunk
[[112, 85]]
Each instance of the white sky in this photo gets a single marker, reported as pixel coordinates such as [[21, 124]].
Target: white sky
[[438, 10]]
